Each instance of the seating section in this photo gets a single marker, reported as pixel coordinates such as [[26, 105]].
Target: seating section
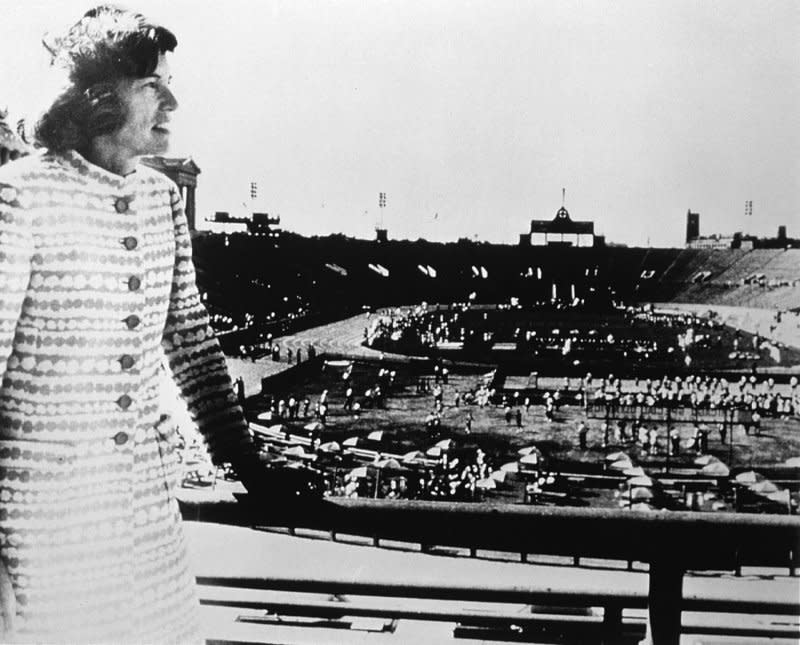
[[294, 278]]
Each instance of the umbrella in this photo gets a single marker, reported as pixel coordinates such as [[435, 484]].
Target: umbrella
[[375, 435], [414, 455], [295, 451], [330, 446], [616, 456], [716, 468], [444, 444], [533, 458], [640, 493], [278, 428], [749, 477], [388, 465], [510, 467], [764, 487], [314, 426], [622, 464], [523, 452], [704, 460], [635, 471], [486, 484], [435, 451], [361, 472], [499, 476], [642, 480], [265, 416], [351, 442]]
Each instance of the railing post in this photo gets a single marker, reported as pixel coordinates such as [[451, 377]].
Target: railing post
[[612, 623], [664, 602]]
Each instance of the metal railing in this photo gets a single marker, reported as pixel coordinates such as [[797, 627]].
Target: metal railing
[[672, 543]]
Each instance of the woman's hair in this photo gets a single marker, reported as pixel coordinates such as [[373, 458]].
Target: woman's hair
[[105, 46]]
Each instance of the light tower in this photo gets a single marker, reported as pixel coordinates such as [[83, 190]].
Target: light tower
[[380, 231]]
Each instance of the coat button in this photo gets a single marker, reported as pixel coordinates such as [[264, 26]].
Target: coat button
[[124, 401], [130, 242], [132, 321], [121, 205], [121, 438], [126, 362], [134, 282]]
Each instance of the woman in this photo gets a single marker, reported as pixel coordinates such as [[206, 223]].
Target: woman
[[96, 287]]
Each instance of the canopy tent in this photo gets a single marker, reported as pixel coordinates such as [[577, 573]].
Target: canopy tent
[[622, 464], [716, 468], [764, 487], [635, 471], [330, 446], [640, 493], [749, 477]]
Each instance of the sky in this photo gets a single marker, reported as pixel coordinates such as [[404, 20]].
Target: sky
[[471, 116]]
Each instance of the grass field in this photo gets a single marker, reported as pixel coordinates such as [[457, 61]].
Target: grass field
[[402, 422]]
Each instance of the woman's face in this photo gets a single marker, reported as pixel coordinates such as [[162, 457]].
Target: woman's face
[[147, 106]]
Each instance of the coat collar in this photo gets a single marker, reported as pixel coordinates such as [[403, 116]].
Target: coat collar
[[96, 173]]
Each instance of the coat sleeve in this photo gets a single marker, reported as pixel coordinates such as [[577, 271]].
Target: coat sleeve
[[16, 252], [196, 360]]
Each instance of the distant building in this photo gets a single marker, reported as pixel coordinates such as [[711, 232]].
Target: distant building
[[262, 224], [561, 231], [735, 240], [183, 171], [692, 226]]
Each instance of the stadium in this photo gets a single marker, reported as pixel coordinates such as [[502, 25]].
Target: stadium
[[555, 374], [561, 440]]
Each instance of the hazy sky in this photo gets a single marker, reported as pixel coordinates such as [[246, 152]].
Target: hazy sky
[[472, 116]]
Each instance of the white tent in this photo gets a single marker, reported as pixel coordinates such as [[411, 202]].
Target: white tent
[[622, 464], [716, 468], [635, 471], [749, 477], [764, 487]]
